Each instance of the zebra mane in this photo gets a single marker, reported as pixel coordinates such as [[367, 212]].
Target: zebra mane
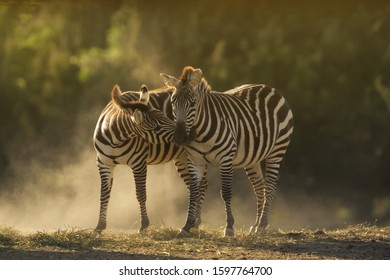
[[186, 77], [186, 74], [204, 86], [136, 105]]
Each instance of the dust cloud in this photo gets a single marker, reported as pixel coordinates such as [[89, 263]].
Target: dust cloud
[[68, 197]]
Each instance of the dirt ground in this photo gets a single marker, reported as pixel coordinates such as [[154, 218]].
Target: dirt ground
[[354, 243]]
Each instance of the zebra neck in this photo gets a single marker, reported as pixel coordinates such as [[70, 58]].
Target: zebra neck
[[202, 97], [123, 127]]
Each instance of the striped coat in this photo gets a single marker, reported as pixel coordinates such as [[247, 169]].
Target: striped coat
[[238, 128], [118, 139]]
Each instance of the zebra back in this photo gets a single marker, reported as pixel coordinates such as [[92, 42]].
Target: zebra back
[[264, 121]]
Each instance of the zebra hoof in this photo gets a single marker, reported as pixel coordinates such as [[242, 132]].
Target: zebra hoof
[[183, 234], [256, 230], [100, 226], [143, 228], [98, 230], [262, 228], [229, 232], [263, 225], [144, 225]]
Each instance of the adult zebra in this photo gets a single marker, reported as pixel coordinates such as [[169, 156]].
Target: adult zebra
[[122, 136], [236, 129]]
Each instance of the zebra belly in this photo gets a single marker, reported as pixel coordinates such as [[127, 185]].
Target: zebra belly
[[201, 156], [137, 154], [244, 159], [163, 153], [113, 156], [242, 154]]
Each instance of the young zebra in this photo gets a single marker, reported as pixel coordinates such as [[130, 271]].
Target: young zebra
[[126, 134], [236, 129]]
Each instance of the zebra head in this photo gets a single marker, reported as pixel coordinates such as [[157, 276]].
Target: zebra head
[[184, 103], [148, 123]]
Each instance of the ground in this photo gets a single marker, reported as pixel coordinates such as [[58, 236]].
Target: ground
[[354, 242]]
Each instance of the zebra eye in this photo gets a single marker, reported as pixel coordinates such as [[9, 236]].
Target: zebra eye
[[192, 104]]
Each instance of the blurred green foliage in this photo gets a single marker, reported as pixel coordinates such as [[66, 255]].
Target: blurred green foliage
[[331, 60]]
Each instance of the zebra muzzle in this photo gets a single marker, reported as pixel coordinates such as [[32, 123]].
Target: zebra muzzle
[[180, 137]]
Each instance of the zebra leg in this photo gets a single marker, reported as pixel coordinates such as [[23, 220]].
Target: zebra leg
[[272, 173], [226, 170], [106, 178], [256, 178], [182, 168], [139, 173], [196, 175], [273, 163], [202, 194]]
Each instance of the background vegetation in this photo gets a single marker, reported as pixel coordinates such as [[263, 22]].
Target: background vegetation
[[59, 60]]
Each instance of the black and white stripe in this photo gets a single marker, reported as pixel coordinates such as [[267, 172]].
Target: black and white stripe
[[126, 134], [235, 129]]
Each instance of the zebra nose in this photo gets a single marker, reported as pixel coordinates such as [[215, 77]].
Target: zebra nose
[[179, 137]]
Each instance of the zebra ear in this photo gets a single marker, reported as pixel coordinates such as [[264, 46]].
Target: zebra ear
[[137, 117], [196, 77], [144, 95], [169, 80], [116, 96]]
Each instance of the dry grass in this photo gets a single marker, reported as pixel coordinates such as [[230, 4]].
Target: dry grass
[[353, 242]]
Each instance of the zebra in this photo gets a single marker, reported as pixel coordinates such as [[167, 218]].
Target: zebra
[[123, 136], [239, 128]]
